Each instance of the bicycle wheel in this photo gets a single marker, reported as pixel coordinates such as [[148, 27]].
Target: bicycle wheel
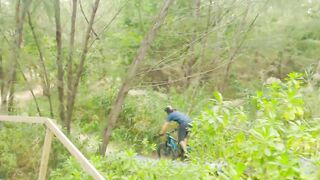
[[175, 154], [164, 150]]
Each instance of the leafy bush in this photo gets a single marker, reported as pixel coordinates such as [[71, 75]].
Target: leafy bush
[[269, 138], [20, 151], [127, 165]]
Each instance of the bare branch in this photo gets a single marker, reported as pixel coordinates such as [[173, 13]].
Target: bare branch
[[85, 17], [30, 89], [109, 24], [44, 69], [160, 83], [238, 47], [185, 47]]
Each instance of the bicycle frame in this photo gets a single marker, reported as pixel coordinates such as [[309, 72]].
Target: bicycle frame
[[172, 142], [170, 147]]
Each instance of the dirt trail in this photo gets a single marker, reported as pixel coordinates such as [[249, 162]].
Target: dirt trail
[[26, 95], [23, 97]]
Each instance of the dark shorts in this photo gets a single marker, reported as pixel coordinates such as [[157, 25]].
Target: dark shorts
[[184, 130]]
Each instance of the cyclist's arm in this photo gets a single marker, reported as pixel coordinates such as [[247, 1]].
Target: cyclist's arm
[[164, 127]]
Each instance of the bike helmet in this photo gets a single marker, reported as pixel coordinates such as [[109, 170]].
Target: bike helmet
[[169, 109]]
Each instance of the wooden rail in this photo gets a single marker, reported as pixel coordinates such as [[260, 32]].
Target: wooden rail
[[53, 130]]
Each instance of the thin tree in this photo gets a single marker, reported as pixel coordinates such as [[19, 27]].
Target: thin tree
[[24, 77], [189, 70], [15, 56], [2, 78], [30, 89], [204, 41], [19, 19], [83, 56], [44, 73], [59, 61], [69, 64], [241, 36], [188, 63], [144, 46]]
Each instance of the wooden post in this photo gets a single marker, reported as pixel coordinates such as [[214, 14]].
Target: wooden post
[[82, 160], [45, 155], [53, 130]]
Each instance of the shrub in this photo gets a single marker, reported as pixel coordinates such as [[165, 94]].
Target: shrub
[[267, 139], [127, 165], [20, 150]]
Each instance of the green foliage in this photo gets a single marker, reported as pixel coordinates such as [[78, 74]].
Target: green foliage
[[141, 117], [127, 165], [266, 138], [270, 144], [20, 152]]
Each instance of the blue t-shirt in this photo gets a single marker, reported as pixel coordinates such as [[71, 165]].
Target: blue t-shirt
[[178, 117]]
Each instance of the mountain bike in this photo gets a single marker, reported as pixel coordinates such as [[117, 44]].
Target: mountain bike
[[170, 148]]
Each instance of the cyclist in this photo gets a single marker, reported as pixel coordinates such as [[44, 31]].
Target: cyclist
[[184, 125]]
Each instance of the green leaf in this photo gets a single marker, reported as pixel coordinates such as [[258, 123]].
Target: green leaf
[[267, 152], [256, 134], [218, 96], [279, 146], [289, 115], [240, 168]]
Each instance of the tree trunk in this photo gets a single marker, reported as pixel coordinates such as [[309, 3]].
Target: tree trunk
[[12, 71], [19, 16], [141, 23], [238, 41], [189, 63], [205, 39], [2, 80], [4, 90], [69, 65], [44, 73], [318, 68], [144, 46], [60, 74], [82, 61]]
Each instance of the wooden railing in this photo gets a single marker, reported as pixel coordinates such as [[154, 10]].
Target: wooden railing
[[53, 130]]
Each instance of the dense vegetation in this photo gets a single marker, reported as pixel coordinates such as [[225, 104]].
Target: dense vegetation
[[230, 65]]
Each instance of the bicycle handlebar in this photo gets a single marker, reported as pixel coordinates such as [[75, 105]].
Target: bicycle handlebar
[[167, 133], [172, 131]]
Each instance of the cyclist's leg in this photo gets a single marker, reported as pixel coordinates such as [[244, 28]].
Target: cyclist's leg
[[183, 145], [182, 137], [188, 128]]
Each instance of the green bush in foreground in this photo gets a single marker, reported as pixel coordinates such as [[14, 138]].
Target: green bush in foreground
[[20, 150], [127, 165], [269, 138]]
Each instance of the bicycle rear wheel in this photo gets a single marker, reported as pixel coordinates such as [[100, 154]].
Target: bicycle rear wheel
[[164, 151]]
